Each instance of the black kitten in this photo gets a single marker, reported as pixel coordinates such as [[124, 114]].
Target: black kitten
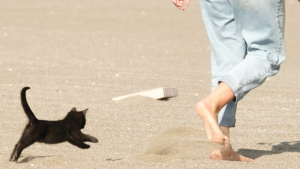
[[51, 132]]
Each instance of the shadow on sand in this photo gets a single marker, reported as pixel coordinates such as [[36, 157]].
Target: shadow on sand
[[27, 159], [111, 159], [276, 149]]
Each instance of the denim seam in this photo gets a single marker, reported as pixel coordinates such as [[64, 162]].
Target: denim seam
[[279, 49], [241, 86]]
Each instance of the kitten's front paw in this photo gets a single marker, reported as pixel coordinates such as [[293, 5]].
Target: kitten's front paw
[[94, 140], [86, 146]]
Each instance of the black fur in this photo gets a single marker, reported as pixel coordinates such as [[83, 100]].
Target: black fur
[[52, 132]]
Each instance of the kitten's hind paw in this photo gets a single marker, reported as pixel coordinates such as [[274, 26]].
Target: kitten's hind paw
[[13, 159]]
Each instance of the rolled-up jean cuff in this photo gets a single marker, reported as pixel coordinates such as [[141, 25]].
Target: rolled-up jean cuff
[[227, 122], [234, 86]]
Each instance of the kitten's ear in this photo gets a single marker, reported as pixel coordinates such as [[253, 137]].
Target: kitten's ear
[[84, 112], [73, 109]]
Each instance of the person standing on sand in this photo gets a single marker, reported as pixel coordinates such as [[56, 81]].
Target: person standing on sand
[[247, 46]]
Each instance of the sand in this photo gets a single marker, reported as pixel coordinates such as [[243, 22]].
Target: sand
[[84, 53]]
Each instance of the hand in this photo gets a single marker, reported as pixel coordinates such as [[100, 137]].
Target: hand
[[179, 3]]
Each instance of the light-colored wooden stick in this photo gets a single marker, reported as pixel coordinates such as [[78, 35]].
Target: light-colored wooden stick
[[157, 93]]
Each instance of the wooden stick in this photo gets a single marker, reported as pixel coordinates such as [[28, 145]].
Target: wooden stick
[[157, 93]]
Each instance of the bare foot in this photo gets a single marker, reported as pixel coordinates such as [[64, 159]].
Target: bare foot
[[227, 153], [208, 111]]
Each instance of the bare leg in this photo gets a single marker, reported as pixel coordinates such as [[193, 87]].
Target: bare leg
[[225, 131], [208, 109]]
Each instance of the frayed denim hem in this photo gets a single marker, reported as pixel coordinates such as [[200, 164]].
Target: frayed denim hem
[[227, 122]]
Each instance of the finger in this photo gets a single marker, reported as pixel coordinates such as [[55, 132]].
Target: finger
[[177, 3], [188, 2], [181, 8], [181, 2]]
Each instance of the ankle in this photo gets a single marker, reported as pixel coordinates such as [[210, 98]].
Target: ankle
[[218, 138], [209, 105]]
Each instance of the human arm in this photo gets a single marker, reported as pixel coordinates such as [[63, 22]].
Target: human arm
[[179, 3]]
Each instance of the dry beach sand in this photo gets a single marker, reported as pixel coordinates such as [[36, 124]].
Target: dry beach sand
[[81, 54]]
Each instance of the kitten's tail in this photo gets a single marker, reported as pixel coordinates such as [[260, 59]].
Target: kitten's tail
[[26, 107]]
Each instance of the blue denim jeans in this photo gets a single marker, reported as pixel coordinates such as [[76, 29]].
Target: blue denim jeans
[[247, 45]]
